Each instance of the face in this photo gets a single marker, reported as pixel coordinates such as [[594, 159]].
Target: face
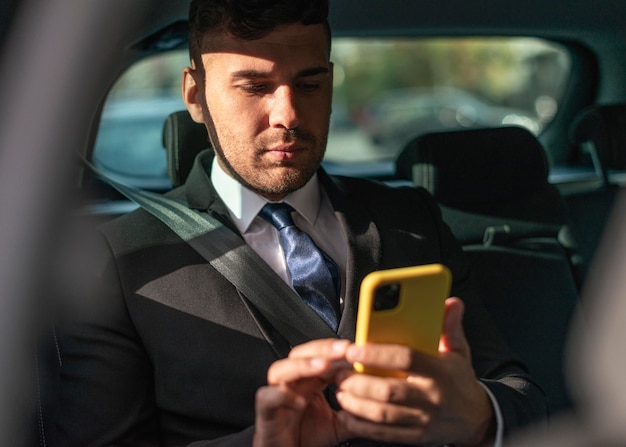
[[266, 104]]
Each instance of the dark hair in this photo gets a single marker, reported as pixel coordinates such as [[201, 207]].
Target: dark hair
[[250, 19]]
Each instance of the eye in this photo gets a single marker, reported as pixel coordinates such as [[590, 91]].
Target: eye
[[308, 86], [253, 89]]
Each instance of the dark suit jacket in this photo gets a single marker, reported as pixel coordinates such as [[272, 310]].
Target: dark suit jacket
[[166, 351]]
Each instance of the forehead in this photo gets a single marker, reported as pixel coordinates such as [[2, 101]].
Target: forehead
[[293, 43]]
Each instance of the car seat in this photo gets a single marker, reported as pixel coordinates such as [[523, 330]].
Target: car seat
[[492, 185], [600, 132], [183, 139]]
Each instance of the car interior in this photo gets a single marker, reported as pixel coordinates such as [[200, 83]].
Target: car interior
[[511, 114]]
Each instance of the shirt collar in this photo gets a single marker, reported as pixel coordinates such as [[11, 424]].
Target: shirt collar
[[243, 204]]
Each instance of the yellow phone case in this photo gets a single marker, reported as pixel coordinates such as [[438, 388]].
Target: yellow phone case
[[416, 321]]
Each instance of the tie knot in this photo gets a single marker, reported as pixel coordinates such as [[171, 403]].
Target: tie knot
[[278, 214]]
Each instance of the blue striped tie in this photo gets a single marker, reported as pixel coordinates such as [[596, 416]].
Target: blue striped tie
[[314, 275]]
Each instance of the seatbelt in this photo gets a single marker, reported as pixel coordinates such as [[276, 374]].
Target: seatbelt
[[492, 231], [470, 227], [228, 253]]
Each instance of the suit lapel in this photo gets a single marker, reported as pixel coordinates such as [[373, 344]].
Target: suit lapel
[[364, 247]]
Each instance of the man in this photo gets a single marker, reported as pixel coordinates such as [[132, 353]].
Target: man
[[169, 352]]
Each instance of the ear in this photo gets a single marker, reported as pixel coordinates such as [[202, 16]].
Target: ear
[[192, 94]]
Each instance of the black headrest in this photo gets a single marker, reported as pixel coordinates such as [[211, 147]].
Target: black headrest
[[475, 165], [605, 127], [183, 139], [496, 171]]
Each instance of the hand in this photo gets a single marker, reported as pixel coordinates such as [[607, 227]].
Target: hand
[[292, 410], [440, 402]]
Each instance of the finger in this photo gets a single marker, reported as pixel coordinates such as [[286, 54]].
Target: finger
[[391, 357], [382, 412], [292, 370], [277, 415], [414, 391], [453, 337], [331, 349], [270, 400]]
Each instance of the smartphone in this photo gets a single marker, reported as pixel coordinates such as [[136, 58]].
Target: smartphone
[[403, 306]]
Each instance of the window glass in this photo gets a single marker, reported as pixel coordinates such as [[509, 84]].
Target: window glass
[[129, 145], [386, 92]]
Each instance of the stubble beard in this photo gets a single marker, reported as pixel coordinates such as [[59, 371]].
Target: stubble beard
[[280, 178], [267, 183]]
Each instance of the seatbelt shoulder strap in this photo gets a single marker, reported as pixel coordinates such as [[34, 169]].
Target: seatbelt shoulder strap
[[236, 261]]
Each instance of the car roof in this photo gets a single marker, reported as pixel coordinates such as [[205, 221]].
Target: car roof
[[588, 19], [597, 25]]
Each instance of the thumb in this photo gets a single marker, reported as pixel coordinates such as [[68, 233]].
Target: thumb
[[452, 337]]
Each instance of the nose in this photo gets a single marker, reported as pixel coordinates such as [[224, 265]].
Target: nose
[[283, 111]]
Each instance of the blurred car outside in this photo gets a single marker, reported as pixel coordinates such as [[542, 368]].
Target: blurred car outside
[[396, 116]]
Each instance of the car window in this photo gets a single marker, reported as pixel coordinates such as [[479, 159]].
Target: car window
[[386, 92]]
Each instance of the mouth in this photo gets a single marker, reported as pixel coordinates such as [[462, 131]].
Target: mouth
[[284, 152]]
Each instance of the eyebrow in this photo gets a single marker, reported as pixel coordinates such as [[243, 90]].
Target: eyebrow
[[254, 74]]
